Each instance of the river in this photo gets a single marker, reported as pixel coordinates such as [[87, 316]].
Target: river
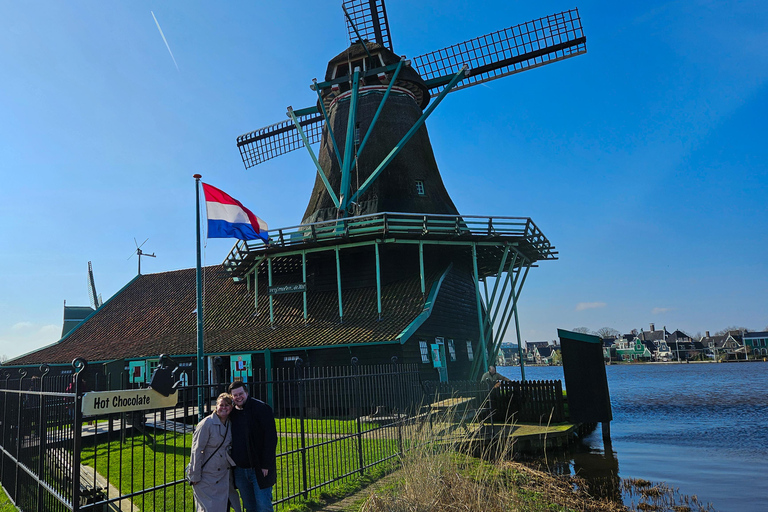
[[701, 428]]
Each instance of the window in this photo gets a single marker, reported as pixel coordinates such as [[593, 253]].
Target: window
[[420, 187], [424, 351], [470, 354], [452, 350]]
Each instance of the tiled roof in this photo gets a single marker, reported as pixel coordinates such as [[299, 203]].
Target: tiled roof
[[154, 314]]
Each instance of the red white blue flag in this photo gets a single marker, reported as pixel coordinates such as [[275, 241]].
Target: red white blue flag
[[228, 218]]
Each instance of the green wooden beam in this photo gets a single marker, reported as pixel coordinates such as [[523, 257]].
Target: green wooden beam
[[399, 146], [327, 122], [304, 280], [338, 284], [303, 135], [378, 278], [307, 111], [349, 144], [421, 267], [381, 107], [483, 349]]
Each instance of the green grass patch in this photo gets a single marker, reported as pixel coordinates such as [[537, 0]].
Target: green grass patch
[[140, 464]]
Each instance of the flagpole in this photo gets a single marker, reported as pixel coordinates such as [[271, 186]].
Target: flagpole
[[199, 277]]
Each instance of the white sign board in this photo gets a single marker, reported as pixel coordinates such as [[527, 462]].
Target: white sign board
[[107, 402]]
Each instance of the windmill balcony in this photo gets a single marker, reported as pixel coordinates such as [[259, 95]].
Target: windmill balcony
[[385, 227]]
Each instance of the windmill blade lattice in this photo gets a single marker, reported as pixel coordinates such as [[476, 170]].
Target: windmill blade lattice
[[277, 139], [505, 52], [370, 19]]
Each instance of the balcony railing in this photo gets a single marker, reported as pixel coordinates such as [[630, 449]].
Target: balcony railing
[[399, 225]]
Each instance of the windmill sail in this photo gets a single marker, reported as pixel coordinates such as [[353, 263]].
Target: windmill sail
[[277, 139], [369, 17], [505, 52]]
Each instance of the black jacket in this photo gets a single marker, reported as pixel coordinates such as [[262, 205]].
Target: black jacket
[[254, 440]]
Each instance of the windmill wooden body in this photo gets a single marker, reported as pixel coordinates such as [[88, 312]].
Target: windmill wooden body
[[379, 212]]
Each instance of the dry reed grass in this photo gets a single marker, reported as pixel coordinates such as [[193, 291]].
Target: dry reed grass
[[437, 474]]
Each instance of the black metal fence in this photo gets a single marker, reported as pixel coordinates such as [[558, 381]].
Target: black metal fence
[[333, 424]]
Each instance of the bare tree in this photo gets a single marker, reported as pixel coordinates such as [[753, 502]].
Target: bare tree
[[608, 332], [733, 328], [582, 330]]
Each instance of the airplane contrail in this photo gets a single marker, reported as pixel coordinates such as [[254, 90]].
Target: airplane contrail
[[165, 40]]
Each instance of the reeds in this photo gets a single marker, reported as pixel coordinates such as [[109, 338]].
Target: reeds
[[437, 473]]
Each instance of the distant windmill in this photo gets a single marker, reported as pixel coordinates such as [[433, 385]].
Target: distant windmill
[[141, 253], [373, 102], [95, 298]]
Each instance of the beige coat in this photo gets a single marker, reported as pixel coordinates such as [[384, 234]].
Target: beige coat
[[214, 481]]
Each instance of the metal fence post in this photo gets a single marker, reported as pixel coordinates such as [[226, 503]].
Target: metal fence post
[[396, 374], [5, 423], [303, 451], [23, 374], [358, 408], [79, 365], [42, 435]]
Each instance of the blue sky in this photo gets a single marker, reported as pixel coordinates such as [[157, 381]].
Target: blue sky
[[643, 161]]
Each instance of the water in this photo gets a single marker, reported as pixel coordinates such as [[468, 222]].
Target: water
[[702, 428]]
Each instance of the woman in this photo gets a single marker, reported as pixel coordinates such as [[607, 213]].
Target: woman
[[210, 473]]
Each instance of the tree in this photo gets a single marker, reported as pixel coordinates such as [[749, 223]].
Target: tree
[[582, 330], [608, 332]]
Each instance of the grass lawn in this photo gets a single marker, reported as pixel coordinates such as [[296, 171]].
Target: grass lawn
[[141, 464], [5, 502]]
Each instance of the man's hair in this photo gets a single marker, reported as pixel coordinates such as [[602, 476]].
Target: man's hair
[[237, 384]]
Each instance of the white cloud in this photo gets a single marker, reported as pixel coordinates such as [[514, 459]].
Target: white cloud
[[22, 325], [658, 311], [50, 329], [581, 306]]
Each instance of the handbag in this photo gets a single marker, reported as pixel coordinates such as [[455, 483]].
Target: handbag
[[188, 467]]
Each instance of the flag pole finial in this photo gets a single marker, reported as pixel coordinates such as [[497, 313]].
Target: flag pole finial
[[197, 176]]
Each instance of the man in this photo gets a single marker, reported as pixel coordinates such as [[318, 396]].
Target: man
[[254, 445], [491, 377]]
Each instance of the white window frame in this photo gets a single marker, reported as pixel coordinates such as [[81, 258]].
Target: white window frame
[[470, 353], [452, 349], [424, 351], [420, 188]]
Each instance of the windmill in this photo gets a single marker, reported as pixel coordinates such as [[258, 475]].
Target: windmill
[[375, 154], [140, 253], [95, 298], [379, 213]]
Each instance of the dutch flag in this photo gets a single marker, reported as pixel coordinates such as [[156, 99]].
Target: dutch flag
[[228, 218]]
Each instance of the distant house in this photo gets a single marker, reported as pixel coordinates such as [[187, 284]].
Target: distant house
[[609, 349], [756, 344], [659, 339], [633, 350], [508, 354], [531, 348], [543, 355], [729, 346]]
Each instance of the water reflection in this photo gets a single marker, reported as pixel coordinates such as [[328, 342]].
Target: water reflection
[[597, 470], [697, 427]]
